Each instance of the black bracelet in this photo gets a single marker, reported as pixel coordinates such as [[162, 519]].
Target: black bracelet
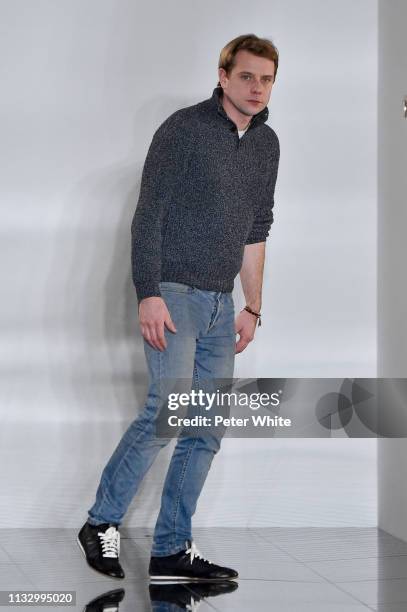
[[256, 314]]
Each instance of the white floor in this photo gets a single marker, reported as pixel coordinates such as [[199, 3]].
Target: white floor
[[280, 569]]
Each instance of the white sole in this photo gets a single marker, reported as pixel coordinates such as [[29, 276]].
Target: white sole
[[166, 579]]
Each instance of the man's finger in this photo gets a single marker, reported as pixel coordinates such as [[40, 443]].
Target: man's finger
[[160, 336], [154, 338], [241, 345], [147, 336], [170, 325]]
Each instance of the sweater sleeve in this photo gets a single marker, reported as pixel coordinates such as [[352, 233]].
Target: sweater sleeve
[[264, 211], [160, 174]]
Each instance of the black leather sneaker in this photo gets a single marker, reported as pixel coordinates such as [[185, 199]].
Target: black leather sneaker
[[187, 596], [107, 602], [101, 546], [188, 564]]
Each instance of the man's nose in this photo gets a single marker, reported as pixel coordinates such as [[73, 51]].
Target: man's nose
[[257, 86]]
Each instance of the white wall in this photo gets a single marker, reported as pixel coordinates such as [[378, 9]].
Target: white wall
[[392, 251], [84, 87]]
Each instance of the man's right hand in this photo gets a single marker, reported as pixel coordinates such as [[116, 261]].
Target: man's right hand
[[153, 315]]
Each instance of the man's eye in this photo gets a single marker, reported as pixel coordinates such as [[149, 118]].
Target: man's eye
[[246, 76]]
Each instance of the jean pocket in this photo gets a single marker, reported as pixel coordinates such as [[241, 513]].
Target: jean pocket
[[175, 287]]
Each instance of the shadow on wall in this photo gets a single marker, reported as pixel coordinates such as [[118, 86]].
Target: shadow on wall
[[90, 292]]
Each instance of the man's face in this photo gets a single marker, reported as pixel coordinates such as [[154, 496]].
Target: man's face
[[248, 85]]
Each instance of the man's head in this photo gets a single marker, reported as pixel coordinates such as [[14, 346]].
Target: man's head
[[247, 70]]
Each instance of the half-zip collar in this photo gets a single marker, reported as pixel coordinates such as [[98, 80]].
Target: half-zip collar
[[216, 101]]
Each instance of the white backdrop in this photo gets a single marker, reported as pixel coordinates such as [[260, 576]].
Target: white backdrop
[[84, 86]]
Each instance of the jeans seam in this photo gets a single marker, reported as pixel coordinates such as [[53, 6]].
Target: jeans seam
[[179, 491], [184, 468]]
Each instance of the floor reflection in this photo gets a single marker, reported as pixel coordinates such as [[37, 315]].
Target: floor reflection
[[307, 569], [107, 602], [186, 596]]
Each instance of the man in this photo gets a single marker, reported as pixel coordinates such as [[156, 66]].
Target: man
[[203, 215]]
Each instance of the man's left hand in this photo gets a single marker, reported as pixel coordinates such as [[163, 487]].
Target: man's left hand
[[245, 326]]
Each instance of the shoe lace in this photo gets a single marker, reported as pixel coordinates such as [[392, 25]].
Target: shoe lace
[[110, 541], [194, 605], [195, 553]]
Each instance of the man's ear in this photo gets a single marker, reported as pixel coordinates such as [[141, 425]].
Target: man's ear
[[222, 74]]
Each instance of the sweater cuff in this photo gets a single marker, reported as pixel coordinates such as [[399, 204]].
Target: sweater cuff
[[147, 289], [257, 236]]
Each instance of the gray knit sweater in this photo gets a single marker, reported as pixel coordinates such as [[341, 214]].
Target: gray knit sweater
[[204, 195]]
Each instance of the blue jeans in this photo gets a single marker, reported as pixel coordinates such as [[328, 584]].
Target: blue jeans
[[203, 348]]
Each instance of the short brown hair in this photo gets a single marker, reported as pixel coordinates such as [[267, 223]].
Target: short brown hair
[[263, 47]]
